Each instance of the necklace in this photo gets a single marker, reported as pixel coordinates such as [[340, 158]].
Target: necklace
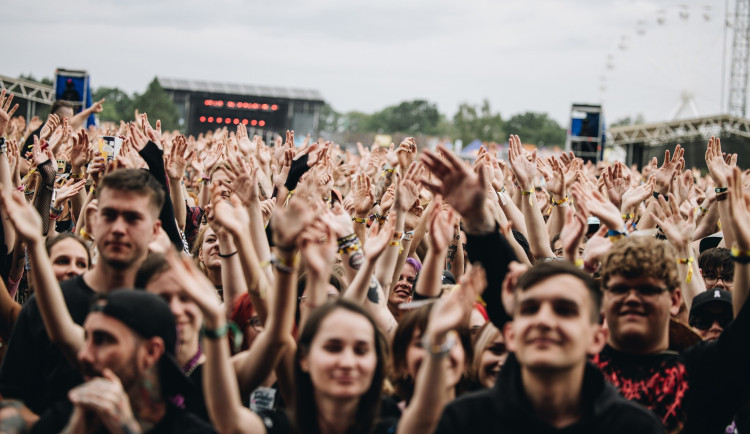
[[193, 363]]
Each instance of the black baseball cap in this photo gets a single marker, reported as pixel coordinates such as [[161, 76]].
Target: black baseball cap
[[147, 315], [715, 296]]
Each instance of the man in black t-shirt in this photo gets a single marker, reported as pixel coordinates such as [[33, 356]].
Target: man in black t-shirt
[[34, 370]]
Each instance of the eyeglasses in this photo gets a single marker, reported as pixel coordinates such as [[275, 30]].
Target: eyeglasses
[[643, 290], [705, 321], [712, 280]]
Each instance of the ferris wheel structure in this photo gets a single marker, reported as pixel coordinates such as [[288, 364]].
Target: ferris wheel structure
[[672, 64]]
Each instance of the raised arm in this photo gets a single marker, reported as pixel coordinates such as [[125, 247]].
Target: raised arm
[[525, 171], [79, 119], [440, 234], [61, 328], [430, 389]]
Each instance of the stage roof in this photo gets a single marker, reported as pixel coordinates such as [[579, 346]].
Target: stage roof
[[239, 89]]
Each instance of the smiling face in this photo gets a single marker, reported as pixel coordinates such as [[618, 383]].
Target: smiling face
[[402, 292], [342, 358], [491, 360], [637, 312], [126, 223], [187, 314], [209, 251], [69, 259], [552, 328]]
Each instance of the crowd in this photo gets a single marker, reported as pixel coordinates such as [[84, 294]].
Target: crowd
[[223, 284]]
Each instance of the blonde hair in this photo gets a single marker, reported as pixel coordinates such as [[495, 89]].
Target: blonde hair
[[641, 256], [487, 334]]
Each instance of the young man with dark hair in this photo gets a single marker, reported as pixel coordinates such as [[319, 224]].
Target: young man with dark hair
[[34, 370], [711, 313], [716, 268], [130, 371], [547, 384]]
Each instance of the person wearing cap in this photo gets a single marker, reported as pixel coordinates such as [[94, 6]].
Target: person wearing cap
[[711, 313], [35, 370], [131, 376]]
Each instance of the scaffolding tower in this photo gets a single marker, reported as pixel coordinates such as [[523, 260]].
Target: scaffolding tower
[[740, 57]]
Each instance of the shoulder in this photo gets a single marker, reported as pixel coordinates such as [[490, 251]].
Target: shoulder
[[626, 415], [473, 408], [275, 421]]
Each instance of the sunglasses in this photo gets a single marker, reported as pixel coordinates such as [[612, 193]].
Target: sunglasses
[[705, 321]]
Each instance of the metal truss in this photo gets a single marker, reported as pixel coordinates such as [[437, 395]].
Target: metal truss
[[680, 130], [28, 90]]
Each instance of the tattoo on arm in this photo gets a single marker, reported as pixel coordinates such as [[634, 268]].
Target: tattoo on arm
[[373, 291], [355, 260], [383, 184], [451, 256]]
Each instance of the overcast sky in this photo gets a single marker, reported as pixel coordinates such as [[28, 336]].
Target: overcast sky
[[533, 55]]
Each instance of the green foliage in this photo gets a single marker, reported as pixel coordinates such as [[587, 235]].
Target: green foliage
[[119, 105], [623, 122], [352, 122], [157, 104], [330, 119], [409, 117], [536, 128], [472, 122], [46, 80]]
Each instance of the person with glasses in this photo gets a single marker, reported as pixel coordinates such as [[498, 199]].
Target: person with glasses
[[711, 313], [695, 390], [716, 268]]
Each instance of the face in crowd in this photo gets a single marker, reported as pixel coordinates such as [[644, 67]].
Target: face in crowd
[[69, 258], [555, 325], [126, 222], [491, 353], [403, 290]]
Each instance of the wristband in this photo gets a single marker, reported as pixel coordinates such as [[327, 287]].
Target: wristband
[[530, 194], [228, 255], [395, 243], [349, 249], [722, 196], [439, 350], [689, 262], [719, 190], [281, 266], [656, 196], [408, 235], [361, 220], [217, 333], [85, 235], [397, 235], [616, 235], [562, 202], [3, 146], [628, 216], [387, 169], [737, 253], [703, 210], [579, 263]]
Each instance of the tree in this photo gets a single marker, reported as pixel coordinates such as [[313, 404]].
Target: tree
[[329, 119], [157, 104], [46, 80], [627, 120], [354, 122], [537, 128], [409, 117], [119, 104], [472, 122]]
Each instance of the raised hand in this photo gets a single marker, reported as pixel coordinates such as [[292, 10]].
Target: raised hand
[[362, 195], [524, 168], [22, 215], [6, 112], [378, 239], [281, 172], [230, 215], [663, 175], [288, 222], [406, 153], [679, 231], [719, 169], [177, 160], [213, 156], [453, 311], [41, 152], [616, 182], [138, 138], [441, 226], [68, 190], [51, 125], [573, 232], [598, 206], [318, 247], [408, 188], [243, 141], [739, 203], [635, 195], [81, 153], [244, 181], [460, 187]]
